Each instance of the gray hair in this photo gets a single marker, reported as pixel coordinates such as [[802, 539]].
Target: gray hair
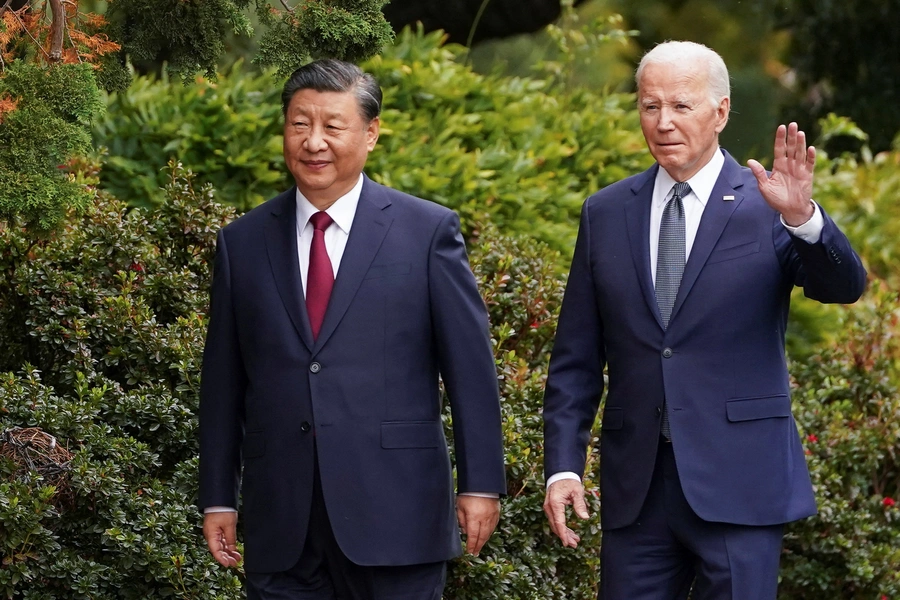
[[675, 53], [331, 75]]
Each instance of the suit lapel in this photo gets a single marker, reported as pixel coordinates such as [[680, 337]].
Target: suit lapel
[[370, 225], [712, 223], [637, 218], [281, 246]]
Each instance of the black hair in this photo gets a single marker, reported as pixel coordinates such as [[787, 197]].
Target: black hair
[[331, 75]]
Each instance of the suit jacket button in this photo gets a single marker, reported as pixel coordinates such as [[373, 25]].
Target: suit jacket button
[[315, 367], [305, 426], [658, 411], [667, 353]]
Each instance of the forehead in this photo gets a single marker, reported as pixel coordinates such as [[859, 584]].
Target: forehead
[[663, 80], [324, 104]]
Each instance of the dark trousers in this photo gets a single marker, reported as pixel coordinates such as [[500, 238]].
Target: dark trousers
[[670, 551], [324, 573]]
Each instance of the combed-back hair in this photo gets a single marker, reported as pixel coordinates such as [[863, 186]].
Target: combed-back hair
[[331, 75], [679, 53]]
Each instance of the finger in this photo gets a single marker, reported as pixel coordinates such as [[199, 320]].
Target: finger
[[572, 539], [461, 517], [758, 171], [800, 153], [811, 159], [215, 541], [484, 534], [792, 138], [780, 142], [558, 521], [580, 506], [473, 545]]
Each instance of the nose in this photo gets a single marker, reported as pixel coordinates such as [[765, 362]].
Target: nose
[[664, 121], [315, 140]]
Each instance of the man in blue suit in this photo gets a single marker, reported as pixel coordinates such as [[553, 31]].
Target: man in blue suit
[[680, 286], [336, 306]]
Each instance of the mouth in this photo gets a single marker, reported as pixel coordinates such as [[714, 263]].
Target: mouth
[[315, 165]]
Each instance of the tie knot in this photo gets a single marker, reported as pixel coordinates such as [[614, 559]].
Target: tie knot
[[321, 221], [681, 189]]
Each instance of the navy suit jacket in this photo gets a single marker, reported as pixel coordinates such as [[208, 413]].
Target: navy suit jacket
[[404, 310], [720, 365]]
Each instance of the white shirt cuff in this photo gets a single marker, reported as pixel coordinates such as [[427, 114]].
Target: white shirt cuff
[[562, 475], [480, 494], [212, 509], [811, 231]]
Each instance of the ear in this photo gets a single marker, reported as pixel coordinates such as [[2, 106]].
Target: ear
[[722, 112], [372, 131]]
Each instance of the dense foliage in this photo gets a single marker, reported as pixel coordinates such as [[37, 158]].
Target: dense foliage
[[848, 405], [516, 149], [45, 116]]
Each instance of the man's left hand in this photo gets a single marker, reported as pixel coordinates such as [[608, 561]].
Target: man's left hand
[[477, 518], [789, 188]]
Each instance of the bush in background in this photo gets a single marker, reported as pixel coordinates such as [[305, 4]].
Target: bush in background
[[521, 151], [228, 130], [847, 403], [102, 334]]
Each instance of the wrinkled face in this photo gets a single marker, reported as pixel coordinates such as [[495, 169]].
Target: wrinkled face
[[679, 122], [326, 142]]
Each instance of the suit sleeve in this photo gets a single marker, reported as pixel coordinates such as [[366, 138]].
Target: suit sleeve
[[222, 387], [466, 362], [829, 271], [575, 381]]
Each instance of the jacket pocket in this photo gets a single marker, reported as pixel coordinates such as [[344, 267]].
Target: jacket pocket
[[613, 418], [387, 270], [411, 434], [733, 252], [254, 445], [764, 407]]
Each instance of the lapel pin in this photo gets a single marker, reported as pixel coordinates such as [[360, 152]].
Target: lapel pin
[[726, 198]]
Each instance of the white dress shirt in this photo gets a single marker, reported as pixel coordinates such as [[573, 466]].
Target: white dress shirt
[[341, 212], [702, 184]]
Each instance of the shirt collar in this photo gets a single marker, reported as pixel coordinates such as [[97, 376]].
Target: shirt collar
[[341, 212], [701, 183]]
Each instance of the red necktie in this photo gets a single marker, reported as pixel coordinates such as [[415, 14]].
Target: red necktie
[[320, 277]]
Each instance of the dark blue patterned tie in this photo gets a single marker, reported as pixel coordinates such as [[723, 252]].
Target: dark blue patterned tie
[[670, 265]]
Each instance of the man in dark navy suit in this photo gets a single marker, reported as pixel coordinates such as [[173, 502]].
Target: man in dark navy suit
[[680, 286], [336, 307]]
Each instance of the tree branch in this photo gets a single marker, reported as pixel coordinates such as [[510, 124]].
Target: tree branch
[[287, 6], [26, 30], [57, 29]]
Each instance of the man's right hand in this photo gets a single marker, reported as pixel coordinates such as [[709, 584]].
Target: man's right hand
[[561, 494], [220, 531]]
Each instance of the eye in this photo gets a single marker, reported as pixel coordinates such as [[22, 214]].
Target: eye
[[650, 108]]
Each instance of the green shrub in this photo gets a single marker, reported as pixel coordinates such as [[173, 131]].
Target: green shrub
[[103, 329], [47, 128], [519, 150], [227, 131], [847, 403]]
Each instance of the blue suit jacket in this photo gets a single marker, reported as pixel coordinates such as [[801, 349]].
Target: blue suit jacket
[[720, 364], [404, 309]]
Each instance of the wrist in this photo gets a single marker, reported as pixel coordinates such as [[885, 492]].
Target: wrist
[[796, 219]]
